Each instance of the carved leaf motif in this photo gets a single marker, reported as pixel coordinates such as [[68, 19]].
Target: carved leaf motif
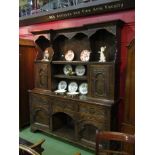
[[43, 76]]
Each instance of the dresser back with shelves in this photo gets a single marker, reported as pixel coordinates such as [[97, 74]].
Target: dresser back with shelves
[[91, 84]]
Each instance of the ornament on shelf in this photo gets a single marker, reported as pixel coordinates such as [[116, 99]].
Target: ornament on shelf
[[102, 56], [46, 56]]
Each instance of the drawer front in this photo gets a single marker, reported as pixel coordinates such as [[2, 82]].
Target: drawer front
[[63, 105], [38, 100], [96, 114], [92, 109]]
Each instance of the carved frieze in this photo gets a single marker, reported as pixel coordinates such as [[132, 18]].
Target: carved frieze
[[41, 116], [92, 109]]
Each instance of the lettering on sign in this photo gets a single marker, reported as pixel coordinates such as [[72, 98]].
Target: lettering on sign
[[87, 11]]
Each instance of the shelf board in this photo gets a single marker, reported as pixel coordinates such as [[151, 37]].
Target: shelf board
[[70, 77], [81, 62], [69, 62]]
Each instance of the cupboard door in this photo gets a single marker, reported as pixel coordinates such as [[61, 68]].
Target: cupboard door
[[39, 106], [43, 75], [102, 81]]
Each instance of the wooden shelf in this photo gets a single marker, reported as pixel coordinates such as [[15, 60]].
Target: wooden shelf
[[69, 62], [71, 77], [81, 62]]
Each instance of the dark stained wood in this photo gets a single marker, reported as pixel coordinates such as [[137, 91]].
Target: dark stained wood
[[26, 42], [37, 146], [128, 124], [27, 54], [129, 108], [77, 118], [113, 136], [102, 81], [43, 75]]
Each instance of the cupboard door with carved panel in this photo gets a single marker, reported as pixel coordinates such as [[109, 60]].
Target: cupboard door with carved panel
[[43, 75], [102, 81], [39, 108]]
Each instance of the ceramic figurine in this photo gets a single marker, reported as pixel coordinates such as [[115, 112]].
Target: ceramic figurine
[[102, 56], [46, 56]]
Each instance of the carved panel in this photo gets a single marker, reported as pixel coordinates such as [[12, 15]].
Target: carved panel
[[92, 109], [88, 132], [39, 110], [100, 84], [39, 101], [40, 117], [42, 75], [102, 81], [59, 105], [92, 118]]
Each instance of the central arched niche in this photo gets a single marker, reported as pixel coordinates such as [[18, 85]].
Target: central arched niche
[[100, 39], [63, 124]]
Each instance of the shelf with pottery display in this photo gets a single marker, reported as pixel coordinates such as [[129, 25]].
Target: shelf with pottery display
[[80, 72], [81, 62], [71, 77]]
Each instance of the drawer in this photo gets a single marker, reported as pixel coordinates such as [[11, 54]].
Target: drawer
[[38, 100], [63, 105], [92, 109]]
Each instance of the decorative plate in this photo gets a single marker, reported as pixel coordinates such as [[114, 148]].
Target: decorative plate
[[67, 69], [80, 70], [69, 56], [62, 85], [83, 88], [85, 55], [72, 87]]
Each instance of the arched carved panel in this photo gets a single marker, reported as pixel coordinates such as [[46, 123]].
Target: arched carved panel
[[40, 116], [102, 81], [88, 132], [100, 84], [42, 75]]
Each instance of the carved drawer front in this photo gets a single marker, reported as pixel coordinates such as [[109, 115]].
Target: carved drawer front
[[63, 105], [92, 112], [42, 76], [102, 81], [38, 100]]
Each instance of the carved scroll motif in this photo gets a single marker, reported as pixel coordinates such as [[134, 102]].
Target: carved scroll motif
[[43, 76]]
